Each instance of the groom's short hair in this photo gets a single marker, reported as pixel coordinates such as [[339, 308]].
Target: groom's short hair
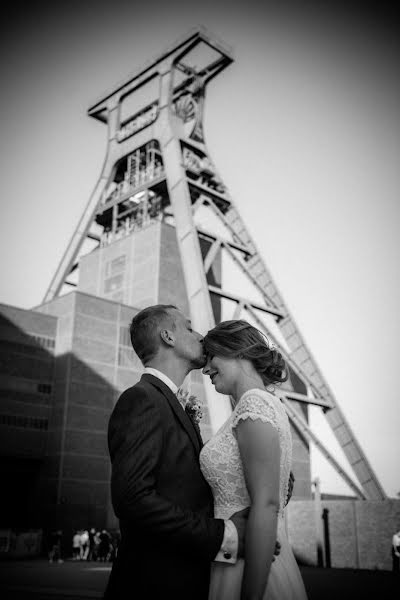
[[144, 329]]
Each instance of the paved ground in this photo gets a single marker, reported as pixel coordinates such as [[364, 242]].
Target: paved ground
[[39, 580]]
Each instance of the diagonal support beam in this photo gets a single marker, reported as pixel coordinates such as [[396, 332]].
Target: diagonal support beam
[[196, 205], [247, 272], [303, 428], [233, 245], [212, 255], [238, 310], [244, 301], [301, 398]]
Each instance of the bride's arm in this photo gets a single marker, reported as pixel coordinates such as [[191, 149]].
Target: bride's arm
[[260, 453]]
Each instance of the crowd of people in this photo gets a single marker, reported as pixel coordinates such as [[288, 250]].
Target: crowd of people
[[94, 545], [91, 545]]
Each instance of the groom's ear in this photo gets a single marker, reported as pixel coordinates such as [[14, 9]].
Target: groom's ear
[[167, 337]]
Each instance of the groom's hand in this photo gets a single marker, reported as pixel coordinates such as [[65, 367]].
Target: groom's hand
[[290, 488], [277, 550], [239, 519]]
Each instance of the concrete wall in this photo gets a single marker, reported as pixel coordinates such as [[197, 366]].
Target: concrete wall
[[301, 466], [94, 363], [126, 271], [27, 341], [360, 532]]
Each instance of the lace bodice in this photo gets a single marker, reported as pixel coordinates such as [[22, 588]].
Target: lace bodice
[[220, 457]]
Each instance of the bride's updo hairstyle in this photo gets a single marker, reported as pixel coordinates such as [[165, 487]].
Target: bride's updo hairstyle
[[239, 339]]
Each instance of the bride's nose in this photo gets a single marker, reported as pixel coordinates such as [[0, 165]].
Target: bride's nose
[[206, 368]]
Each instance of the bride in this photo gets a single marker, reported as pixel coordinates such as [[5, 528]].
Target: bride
[[247, 464]]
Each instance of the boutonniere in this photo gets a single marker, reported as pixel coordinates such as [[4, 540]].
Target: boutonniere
[[192, 406]]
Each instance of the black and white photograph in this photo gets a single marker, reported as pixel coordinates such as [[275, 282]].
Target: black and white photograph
[[199, 300]]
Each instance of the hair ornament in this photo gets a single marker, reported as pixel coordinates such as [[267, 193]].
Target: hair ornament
[[271, 345]]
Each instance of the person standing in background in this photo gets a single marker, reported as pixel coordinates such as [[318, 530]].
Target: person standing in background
[[396, 552]]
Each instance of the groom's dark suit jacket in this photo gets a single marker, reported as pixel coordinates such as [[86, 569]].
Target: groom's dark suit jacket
[[165, 506]]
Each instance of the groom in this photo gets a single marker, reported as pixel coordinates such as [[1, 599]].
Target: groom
[[168, 534]]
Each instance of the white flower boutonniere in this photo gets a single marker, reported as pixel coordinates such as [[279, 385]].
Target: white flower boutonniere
[[192, 406]]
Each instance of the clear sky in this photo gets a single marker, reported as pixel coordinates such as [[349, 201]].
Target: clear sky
[[304, 130]]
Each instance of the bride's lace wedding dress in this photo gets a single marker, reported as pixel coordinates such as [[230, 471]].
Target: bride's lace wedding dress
[[222, 467]]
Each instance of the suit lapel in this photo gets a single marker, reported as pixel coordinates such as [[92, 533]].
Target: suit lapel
[[196, 427], [179, 412]]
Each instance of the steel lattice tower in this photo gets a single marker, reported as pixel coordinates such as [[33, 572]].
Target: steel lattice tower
[[157, 166]]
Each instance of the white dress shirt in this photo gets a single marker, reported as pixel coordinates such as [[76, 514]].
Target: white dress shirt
[[229, 547], [164, 378]]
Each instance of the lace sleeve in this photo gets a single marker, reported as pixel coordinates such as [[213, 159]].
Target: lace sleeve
[[253, 405]]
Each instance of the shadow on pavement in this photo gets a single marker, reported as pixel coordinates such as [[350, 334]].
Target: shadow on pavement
[[36, 579]]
